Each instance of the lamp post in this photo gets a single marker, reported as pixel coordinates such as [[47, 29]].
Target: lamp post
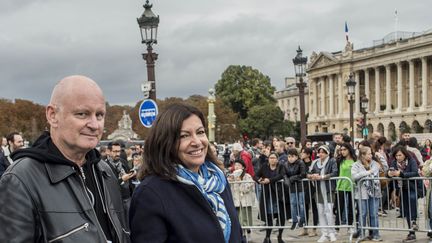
[[300, 66], [351, 83], [364, 109], [148, 24], [211, 115]]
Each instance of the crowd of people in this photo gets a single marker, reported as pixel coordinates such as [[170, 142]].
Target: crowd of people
[[174, 189], [343, 181]]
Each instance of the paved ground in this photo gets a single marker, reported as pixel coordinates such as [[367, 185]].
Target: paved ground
[[291, 236], [390, 222]]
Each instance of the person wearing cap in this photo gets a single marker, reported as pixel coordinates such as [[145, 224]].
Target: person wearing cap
[[322, 169], [243, 191], [240, 153]]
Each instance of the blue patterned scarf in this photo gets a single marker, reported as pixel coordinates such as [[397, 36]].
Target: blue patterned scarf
[[211, 182]]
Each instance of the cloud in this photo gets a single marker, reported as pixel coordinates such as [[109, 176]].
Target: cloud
[[42, 41]]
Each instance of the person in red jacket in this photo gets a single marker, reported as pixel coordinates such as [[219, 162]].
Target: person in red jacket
[[238, 151]]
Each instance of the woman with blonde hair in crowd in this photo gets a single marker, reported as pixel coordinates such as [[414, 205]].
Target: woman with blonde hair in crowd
[[427, 149], [368, 193]]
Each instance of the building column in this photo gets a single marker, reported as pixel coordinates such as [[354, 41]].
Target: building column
[[340, 95], [312, 101], [331, 97], [357, 94], [322, 80], [366, 87], [377, 90], [315, 107], [399, 86], [388, 88], [424, 87], [411, 85]]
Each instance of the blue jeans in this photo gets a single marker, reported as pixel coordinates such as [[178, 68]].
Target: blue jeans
[[409, 206], [297, 207], [258, 190], [369, 207]]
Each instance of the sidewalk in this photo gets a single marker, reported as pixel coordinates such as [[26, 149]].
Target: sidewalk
[[257, 235], [288, 235]]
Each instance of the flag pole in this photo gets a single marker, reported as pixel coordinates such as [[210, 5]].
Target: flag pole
[[396, 26]]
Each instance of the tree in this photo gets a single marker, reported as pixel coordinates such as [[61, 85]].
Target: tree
[[22, 116], [242, 87], [265, 121]]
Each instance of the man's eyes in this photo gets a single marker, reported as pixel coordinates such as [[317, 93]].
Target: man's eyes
[[99, 116]]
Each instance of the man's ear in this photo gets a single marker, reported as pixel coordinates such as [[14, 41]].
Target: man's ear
[[51, 115]]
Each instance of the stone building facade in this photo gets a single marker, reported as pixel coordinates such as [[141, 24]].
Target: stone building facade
[[288, 100], [395, 76]]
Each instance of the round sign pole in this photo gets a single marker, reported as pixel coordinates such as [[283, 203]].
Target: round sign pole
[[147, 112]]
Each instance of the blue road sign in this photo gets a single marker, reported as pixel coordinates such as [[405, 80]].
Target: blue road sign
[[147, 112]]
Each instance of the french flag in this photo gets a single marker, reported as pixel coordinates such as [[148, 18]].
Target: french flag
[[346, 31]]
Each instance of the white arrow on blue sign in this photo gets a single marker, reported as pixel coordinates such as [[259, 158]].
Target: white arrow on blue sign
[[148, 111]]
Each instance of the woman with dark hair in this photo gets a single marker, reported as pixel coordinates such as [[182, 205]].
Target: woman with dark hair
[[184, 196], [274, 144], [271, 202], [405, 166], [322, 169], [343, 203]]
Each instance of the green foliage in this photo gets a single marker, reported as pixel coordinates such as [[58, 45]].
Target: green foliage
[[266, 121], [242, 87]]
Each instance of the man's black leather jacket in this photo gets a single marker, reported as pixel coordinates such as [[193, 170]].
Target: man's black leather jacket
[[45, 202]]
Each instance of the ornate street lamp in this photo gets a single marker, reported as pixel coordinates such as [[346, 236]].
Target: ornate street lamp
[[351, 83], [300, 66], [148, 24], [364, 109]]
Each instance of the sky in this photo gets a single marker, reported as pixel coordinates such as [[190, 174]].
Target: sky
[[42, 41]]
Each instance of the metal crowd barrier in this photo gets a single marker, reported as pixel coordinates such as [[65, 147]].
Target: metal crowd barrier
[[404, 199], [271, 208]]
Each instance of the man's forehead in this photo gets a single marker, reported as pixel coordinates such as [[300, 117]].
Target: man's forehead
[[98, 107], [116, 146]]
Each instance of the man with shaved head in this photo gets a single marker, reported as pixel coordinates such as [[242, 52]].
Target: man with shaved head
[[59, 190]]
